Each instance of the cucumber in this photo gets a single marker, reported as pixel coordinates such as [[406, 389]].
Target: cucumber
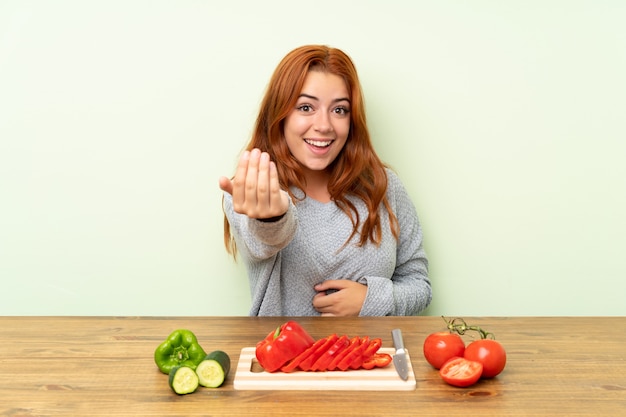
[[212, 371], [183, 380]]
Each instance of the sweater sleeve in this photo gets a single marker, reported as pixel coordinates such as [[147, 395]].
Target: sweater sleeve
[[260, 240], [408, 292]]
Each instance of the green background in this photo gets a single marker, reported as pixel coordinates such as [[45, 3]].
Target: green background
[[505, 120]]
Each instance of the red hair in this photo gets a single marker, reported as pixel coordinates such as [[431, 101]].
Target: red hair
[[357, 170]]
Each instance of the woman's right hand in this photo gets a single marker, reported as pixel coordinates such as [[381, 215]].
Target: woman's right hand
[[255, 188]]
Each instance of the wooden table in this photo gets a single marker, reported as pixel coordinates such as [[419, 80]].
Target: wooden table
[[103, 366]]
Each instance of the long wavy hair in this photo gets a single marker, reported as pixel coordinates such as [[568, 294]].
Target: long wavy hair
[[357, 171]]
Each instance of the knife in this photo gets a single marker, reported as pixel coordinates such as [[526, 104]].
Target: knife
[[399, 359]]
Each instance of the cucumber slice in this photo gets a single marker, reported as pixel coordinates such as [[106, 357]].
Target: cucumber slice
[[183, 380], [212, 371]]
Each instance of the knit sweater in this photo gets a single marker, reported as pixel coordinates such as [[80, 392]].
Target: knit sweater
[[285, 259]]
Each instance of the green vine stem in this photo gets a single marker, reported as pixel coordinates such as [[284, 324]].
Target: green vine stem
[[458, 325]]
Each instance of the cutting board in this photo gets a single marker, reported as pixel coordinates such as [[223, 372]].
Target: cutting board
[[250, 376]]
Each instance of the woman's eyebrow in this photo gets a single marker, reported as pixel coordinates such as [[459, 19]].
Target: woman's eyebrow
[[317, 99]]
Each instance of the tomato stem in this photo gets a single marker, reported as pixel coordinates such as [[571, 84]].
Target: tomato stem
[[458, 325]]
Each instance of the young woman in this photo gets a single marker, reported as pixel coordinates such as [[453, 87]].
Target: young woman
[[324, 227]]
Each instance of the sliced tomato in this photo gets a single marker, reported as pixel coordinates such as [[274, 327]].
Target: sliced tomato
[[322, 363], [378, 360], [308, 362], [461, 372]]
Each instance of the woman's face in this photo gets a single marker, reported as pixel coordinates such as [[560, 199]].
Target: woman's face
[[317, 128]]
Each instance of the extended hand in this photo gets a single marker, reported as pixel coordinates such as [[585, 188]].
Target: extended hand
[[255, 188], [346, 301]]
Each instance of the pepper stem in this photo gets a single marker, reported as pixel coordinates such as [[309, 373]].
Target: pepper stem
[[180, 354], [277, 332]]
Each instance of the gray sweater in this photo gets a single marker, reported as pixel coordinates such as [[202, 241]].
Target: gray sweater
[[286, 258]]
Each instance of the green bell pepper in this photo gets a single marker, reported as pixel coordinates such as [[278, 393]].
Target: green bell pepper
[[181, 348]]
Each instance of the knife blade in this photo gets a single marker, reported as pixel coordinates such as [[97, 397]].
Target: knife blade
[[399, 359]]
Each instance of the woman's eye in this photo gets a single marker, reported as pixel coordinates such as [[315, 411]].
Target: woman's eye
[[342, 110], [304, 108]]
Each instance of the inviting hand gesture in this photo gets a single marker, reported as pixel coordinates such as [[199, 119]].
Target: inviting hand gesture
[[255, 188]]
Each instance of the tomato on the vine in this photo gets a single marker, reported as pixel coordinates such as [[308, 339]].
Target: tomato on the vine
[[489, 353], [440, 347], [461, 372]]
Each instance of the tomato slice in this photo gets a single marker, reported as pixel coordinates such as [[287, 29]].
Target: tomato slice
[[378, 360], [322, 363], [461, 372]]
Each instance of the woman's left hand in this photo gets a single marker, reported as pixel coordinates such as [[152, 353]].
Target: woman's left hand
[[347, 300]]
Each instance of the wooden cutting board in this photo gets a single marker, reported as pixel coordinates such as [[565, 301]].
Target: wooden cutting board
[[250, 376]]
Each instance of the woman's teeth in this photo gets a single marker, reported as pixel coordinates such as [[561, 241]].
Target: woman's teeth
[[319, 143]]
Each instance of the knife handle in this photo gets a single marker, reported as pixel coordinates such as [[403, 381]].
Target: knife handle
[[396, 335]]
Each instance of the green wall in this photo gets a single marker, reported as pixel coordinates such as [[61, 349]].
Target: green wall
[[505, 119]]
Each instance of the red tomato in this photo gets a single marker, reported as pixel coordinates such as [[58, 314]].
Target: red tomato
[[440, 347], [489, 353], [461, 372]]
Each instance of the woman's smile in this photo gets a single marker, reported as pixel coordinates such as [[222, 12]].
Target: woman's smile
[[319, 143]]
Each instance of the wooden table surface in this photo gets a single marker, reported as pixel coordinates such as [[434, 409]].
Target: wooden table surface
[[103, 366]]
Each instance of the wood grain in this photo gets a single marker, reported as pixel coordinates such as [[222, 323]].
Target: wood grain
[[103, 366]]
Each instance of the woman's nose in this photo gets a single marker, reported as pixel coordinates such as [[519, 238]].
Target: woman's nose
[[323, 123]]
